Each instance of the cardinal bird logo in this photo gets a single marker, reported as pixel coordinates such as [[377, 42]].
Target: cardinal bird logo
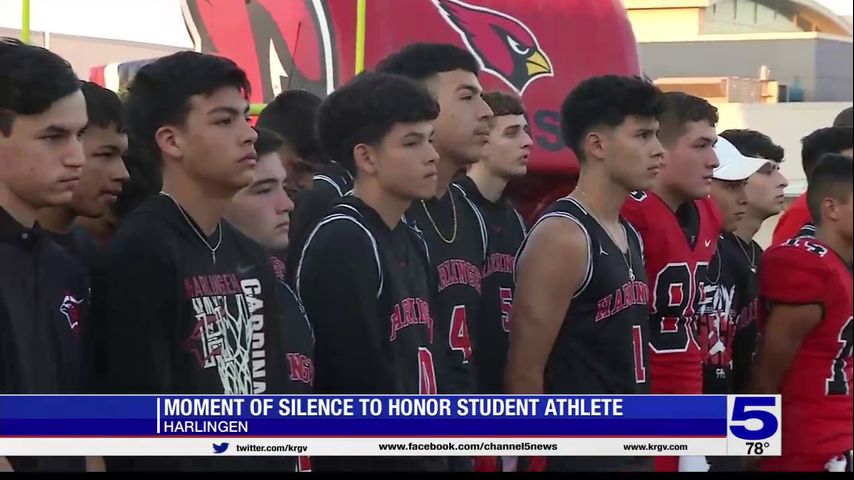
[[281, 44], [504, 46]]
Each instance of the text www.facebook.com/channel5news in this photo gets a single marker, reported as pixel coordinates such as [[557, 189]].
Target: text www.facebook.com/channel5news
[[520, 448]]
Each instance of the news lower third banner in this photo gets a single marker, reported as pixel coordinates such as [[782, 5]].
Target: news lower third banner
[[321, 425]]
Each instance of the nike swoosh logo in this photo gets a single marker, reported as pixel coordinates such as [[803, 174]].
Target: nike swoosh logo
[[245, 270], [602, 251], [708, 243]]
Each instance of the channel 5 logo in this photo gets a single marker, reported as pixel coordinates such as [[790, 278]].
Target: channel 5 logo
[[754, 418]]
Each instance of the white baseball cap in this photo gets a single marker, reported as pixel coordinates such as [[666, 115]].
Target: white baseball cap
[[733, 165]]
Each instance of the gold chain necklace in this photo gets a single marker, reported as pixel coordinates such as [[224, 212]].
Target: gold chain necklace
[[436, 227]]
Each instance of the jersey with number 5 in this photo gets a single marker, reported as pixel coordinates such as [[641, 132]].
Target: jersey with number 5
[[816, 390], [677, 255]]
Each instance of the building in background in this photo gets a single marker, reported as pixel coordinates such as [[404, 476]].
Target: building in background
[[783, 67], [803, 46]]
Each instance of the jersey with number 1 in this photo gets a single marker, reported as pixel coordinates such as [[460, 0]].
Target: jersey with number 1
[[816, 390], [676, 264]]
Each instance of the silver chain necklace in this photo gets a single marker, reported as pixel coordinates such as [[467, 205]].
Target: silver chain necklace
[[614, 240], [750, 258], [196, 230]]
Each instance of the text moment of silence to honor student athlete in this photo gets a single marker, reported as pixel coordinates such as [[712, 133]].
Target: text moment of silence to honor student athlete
[[248, 236]]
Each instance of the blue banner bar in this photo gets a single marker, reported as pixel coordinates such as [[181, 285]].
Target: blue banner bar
[[364, 416]]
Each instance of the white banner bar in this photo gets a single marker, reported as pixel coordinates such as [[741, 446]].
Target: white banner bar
[[219, 446]]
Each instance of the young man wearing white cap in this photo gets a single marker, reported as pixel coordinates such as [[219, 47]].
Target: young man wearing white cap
[[721, 300]]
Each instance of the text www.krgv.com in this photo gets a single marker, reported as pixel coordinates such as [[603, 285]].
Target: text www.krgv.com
[[299, 449], [483, 446], [654, 447]]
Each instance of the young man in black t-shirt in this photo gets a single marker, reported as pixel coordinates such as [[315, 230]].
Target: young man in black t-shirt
[[364, 275], [580, 317], [452, 225], [104, 144], [262, 212], [506, 157], [44, 294], [727, 321], [765, 192], [187, 303], [720, 299]]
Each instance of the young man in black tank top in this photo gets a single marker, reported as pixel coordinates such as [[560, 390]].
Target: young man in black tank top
[[261, 211], [452, 226], [364, 274], [580, 315], [506, 158]]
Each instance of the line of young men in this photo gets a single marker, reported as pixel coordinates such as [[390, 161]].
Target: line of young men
[[386, 146], [186, 303], [683, 193]]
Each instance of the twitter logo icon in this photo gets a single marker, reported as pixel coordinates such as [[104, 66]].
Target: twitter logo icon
[[220, 448]]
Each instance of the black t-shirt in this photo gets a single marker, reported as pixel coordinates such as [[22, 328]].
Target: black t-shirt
[[456, 237], [44, 304], [727, 329], [311, 205], [368, 292], [492, 327], [601, 347], [168, 319]]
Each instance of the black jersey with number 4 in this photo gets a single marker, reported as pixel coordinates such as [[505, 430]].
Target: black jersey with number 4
[[456, 237], [728, 308], [602, 345], [492, 327], [368, 291]]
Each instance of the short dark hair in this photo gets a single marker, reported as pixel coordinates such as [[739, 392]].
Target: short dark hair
[[160, 92], [681, 108], [503, 103], [605, 101], [103, 106], [754, 144], [421, 61], [34, 78], [364, 111], [833, 177], [845, 118], [823, 141], [267, 142], [292, 116]]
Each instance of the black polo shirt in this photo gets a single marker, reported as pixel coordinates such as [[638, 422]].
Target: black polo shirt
[[44, 298]]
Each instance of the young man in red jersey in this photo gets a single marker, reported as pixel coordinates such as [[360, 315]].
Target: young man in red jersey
[[806, 343], [680, 226]]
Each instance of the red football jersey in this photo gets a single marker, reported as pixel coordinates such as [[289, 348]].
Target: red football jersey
[[816, 390], [676, 267]]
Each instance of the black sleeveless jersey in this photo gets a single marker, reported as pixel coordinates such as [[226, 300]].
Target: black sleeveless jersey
[[491, 329], [456, 237], [602, 347], [368, 292], [602, 344]]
